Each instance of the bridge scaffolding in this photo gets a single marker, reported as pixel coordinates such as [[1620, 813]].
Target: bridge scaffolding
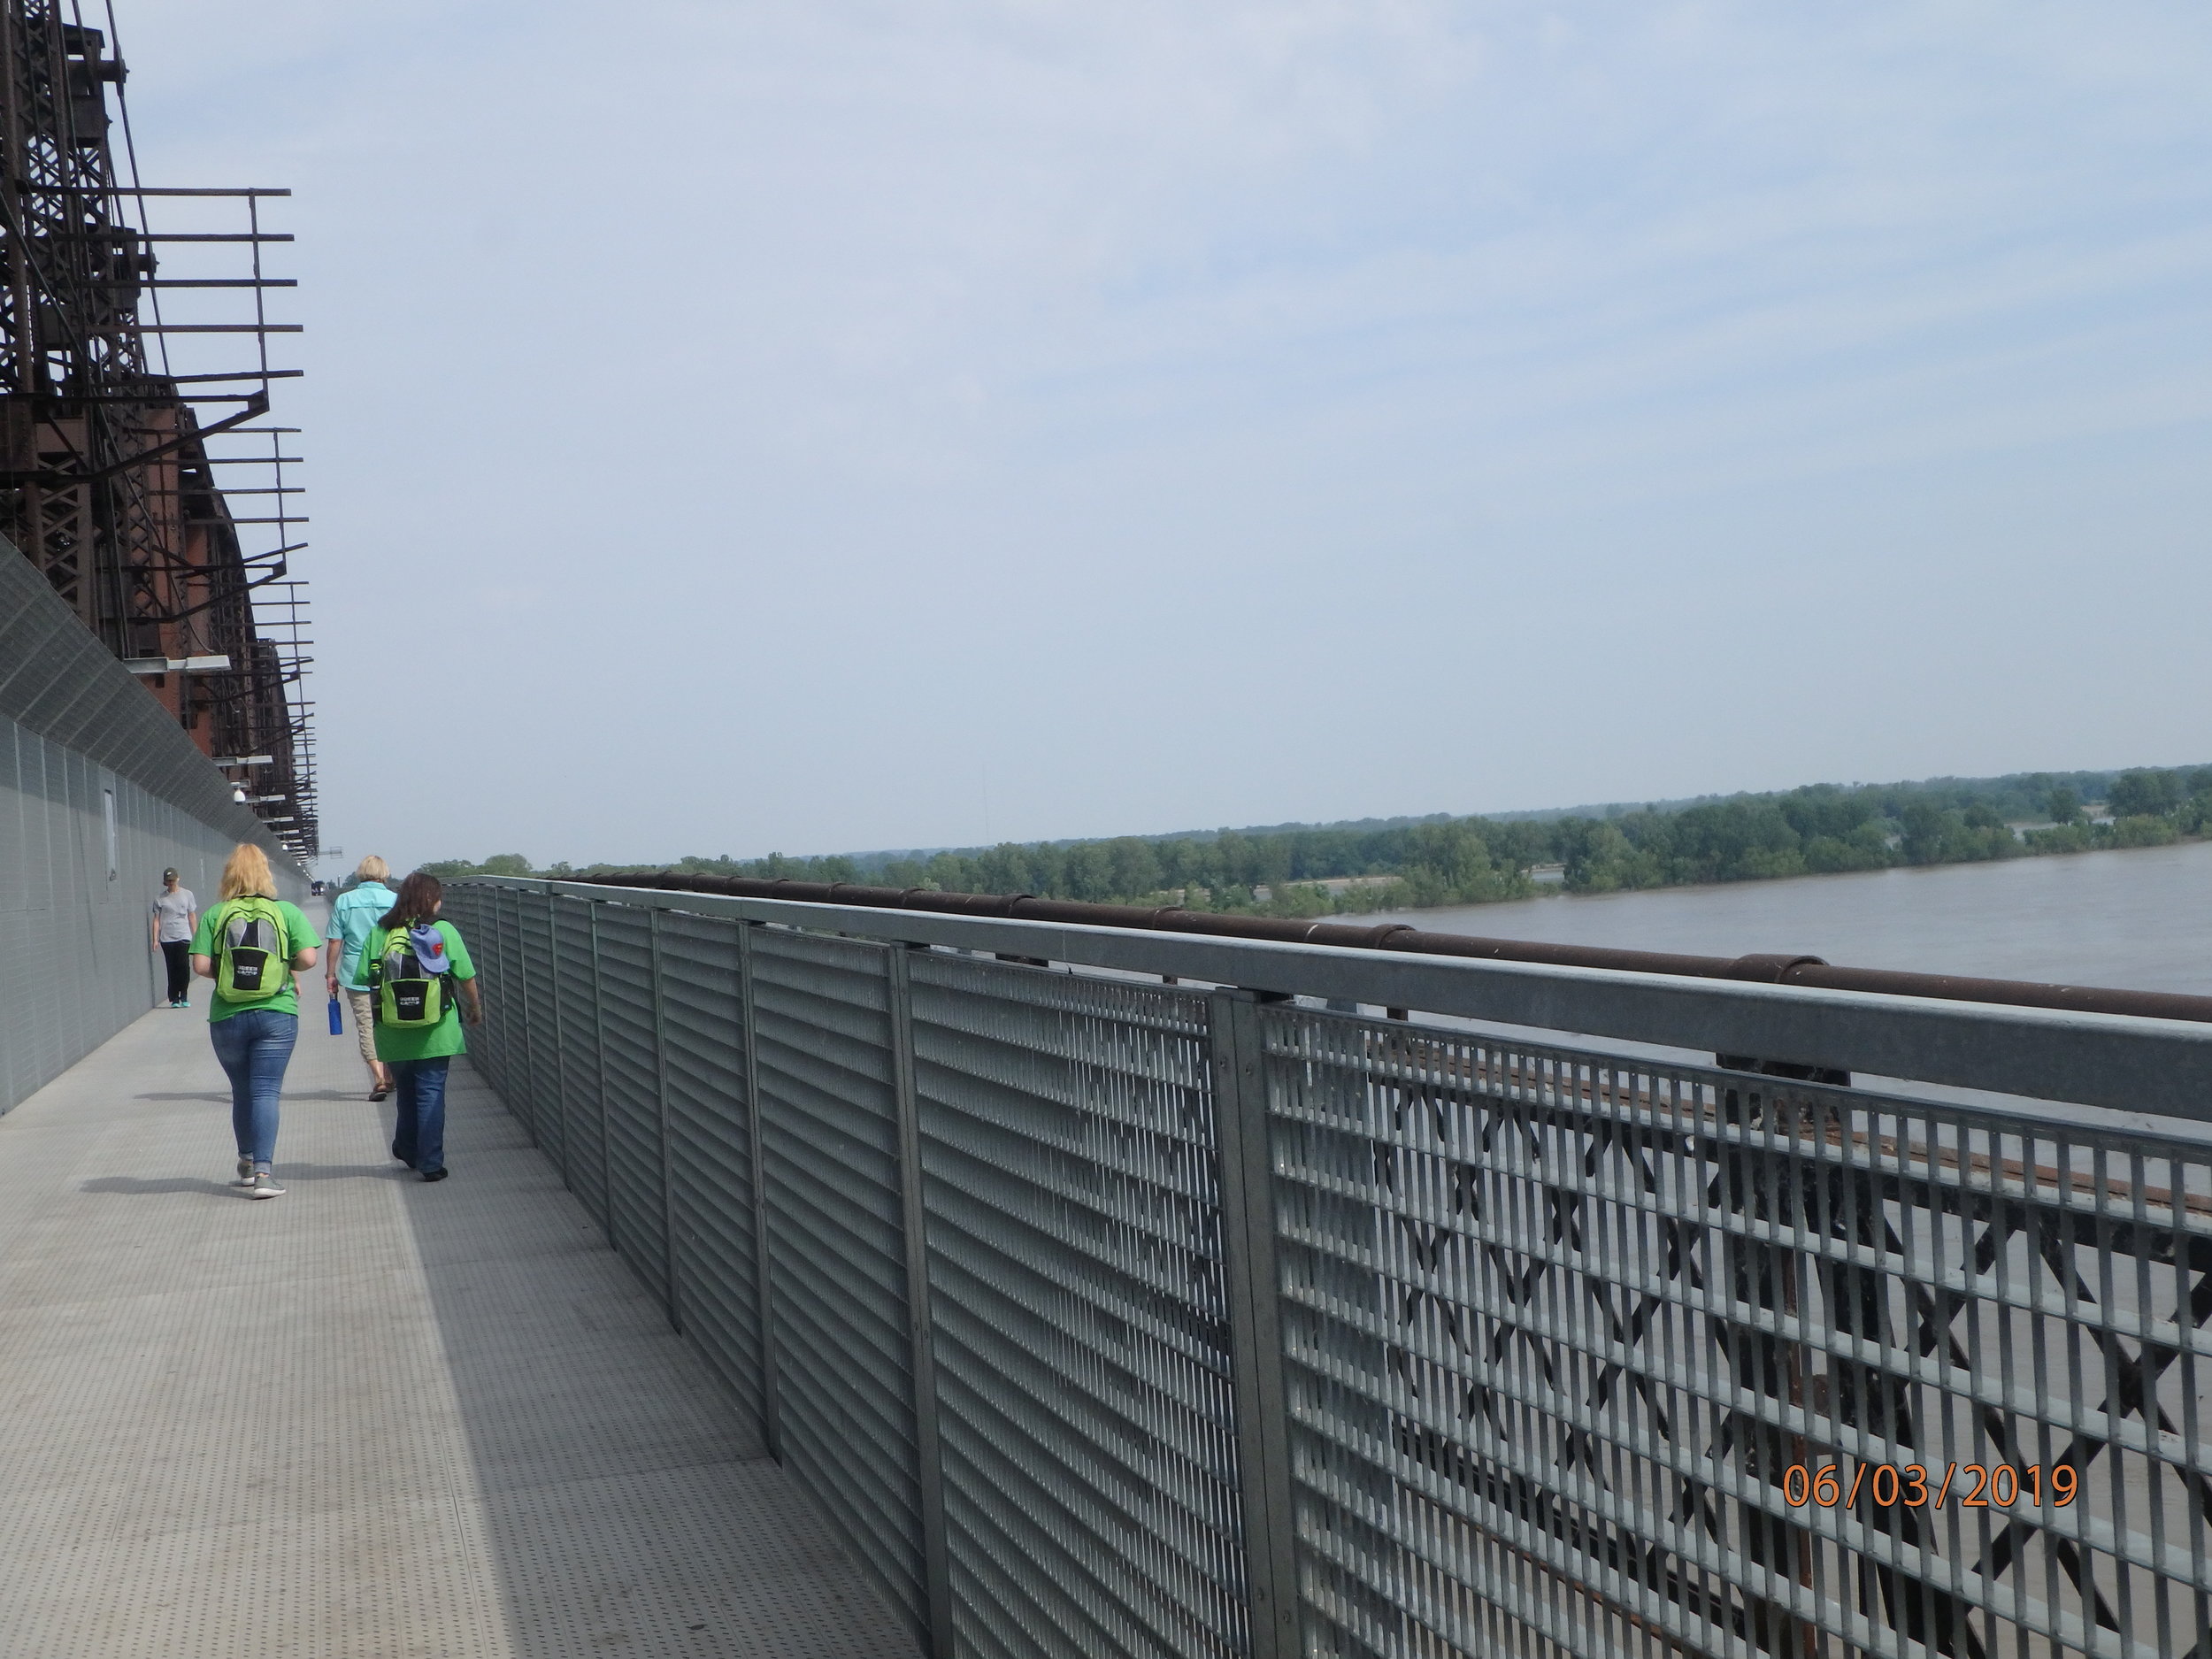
[[119, 447]]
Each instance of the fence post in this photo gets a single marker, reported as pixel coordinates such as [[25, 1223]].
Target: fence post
[[748, 1028], [660, 1079], [936, 1564], [599, 1071], [1253, 1284]]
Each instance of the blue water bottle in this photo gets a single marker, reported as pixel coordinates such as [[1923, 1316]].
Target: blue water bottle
[[336, 1025]]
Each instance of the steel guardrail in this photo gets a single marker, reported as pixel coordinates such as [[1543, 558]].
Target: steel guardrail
[[1110, 1316], [1768, 968]]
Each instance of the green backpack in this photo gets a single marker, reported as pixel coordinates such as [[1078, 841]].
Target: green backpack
[[253, 952], [404, 995]]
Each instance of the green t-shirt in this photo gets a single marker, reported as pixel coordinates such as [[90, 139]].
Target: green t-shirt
[[423, 1042], [299, 936]]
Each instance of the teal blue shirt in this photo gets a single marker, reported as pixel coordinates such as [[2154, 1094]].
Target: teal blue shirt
[[351, 919]]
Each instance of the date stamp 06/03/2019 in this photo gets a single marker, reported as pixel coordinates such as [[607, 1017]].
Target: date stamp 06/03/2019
[[1915, 1485]]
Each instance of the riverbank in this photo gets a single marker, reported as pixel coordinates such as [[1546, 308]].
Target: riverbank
[[1294, 871]]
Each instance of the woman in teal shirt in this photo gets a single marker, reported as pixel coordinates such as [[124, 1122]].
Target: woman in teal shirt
[[351, 919], [254, 1017]]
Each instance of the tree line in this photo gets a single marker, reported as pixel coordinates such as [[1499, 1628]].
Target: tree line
[[1400, 864]]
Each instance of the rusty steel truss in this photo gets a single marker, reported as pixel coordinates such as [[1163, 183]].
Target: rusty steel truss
[[119, 472]]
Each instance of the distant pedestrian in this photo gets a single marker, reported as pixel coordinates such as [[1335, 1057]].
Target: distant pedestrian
[[251, 944], [176, 917], [351, 919], [425, 986]]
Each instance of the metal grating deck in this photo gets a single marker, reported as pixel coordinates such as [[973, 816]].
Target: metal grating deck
[[372, 1417]]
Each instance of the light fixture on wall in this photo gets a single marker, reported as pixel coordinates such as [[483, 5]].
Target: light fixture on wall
[[177, 665]]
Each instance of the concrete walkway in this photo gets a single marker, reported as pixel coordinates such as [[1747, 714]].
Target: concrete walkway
[[370, 1417]]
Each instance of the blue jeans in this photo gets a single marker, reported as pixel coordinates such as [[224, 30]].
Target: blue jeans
[[255, 1047], [419, 1137]]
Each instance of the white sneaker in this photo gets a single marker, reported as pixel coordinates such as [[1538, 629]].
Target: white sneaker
[[264, 1187], [245, 1171]]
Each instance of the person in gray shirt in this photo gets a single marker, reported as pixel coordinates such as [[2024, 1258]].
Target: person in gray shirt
[[176, 914]]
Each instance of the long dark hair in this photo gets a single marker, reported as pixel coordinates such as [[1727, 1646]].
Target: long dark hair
[[420, 895]]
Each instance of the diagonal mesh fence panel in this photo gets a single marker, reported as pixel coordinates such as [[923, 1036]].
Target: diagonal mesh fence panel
[[1592, 1356]]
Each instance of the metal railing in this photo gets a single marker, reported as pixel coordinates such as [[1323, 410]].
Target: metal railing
[[1109, 1316]]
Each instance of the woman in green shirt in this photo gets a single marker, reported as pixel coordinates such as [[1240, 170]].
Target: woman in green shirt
[[251, 944], [409, 938]]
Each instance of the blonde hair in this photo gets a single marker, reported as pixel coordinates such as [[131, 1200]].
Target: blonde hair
[[247, 871], [372, 869]]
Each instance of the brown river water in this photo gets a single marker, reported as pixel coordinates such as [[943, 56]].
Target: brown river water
[[2140, 920]]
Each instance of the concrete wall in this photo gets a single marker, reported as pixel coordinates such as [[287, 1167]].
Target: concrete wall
[[100, 790]]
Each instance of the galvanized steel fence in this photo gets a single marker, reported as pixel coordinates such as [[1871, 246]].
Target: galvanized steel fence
[[100, 790], [1123, 1317]]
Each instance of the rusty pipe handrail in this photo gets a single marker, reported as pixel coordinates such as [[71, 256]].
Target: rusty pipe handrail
[[1763, 969]]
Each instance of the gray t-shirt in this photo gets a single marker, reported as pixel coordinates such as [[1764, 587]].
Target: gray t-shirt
[[174, 914]]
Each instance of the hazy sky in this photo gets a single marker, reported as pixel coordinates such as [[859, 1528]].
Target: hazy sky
[[738, 427]]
